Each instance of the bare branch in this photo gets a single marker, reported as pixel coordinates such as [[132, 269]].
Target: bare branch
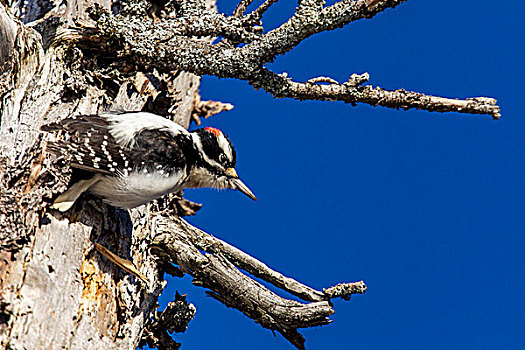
[[311, 17], [345, 290], [255, 16], [244, 261], [207, 109], [358, 79], [169, 49], [372, 3], [251, 265], [241, 8], [179, 205], [203, 24], [218, 272], [280, 86], [322, 80], [167, 46]]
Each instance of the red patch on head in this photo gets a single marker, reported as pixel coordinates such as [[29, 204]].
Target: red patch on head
[[216, 132]]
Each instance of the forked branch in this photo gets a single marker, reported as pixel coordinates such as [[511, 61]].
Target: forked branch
[[218, 271], [179, 44]]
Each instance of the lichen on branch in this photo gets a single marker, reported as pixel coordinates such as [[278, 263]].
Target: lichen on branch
[[181, 41]]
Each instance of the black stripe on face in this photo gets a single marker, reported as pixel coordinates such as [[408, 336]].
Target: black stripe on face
[[234, 154], [213, 151]]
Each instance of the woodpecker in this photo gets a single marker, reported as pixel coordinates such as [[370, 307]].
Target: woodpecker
[[129, 159]]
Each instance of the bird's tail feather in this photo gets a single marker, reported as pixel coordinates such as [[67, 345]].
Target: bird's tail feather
[[66, 200]]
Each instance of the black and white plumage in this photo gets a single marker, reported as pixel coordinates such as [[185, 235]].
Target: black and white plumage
[[133, 158]]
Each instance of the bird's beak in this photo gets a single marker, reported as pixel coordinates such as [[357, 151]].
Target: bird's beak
[[237, 184]]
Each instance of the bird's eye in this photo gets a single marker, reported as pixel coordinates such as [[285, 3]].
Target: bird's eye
[[222, 158]]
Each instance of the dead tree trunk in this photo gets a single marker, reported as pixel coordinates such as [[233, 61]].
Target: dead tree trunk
[[56, 290], [59, 59]]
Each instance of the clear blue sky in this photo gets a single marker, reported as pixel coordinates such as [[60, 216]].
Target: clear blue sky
[[426, 208]]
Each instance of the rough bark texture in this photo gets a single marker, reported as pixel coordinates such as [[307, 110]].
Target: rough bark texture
[[174, 44], [59, 59], [217, 269], [56, 290]]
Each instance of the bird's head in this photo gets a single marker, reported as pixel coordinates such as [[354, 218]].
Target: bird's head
[[216, 162]]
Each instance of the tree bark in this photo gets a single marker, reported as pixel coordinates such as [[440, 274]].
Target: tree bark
[[56, 290]]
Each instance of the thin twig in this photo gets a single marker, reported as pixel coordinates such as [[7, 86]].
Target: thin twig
[[256, 15], [321, 80], [207, 109], [310, 18], [357, 79], [372, 3], [123, 263], [241, 8], [345, 290], [280, 86]]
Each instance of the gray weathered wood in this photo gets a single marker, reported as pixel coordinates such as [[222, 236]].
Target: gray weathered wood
[[218, 270], [56, 290]]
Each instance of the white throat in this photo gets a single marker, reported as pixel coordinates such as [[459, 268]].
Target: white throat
[[202, 177]]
